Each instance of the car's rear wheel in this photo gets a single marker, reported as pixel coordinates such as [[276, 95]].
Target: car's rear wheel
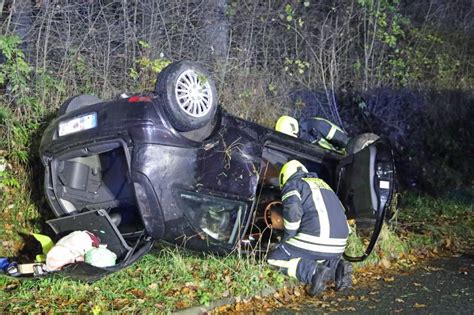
[[188, 95], [76, 102], [360, 142]]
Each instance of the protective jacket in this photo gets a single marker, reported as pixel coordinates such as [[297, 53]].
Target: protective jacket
[[314, 218], [319, 130]]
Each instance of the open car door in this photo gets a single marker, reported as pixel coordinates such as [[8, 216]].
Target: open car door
[[365, 186]]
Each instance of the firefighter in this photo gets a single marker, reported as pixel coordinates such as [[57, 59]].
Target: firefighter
[[315, 130], [315, 232]]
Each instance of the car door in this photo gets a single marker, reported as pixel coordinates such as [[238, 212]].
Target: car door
[[365, 186]]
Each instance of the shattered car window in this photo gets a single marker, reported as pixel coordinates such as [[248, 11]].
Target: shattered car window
[[219, 218]]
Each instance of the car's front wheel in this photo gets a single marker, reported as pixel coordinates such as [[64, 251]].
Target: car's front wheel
[[188, 95]]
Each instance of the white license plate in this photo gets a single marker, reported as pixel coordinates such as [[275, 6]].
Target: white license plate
[[384, 184], [77, 124]]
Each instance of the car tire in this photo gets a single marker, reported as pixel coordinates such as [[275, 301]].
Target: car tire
[[188, 95], [361, 141], [76, 102]]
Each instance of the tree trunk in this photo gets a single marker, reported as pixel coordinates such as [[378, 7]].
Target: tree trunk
[[22, 21], [2, 3], [216, 32]]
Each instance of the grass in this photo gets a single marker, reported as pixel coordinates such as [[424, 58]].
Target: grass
[[420, 224], [436, 222], [171, 279], [162, 281]]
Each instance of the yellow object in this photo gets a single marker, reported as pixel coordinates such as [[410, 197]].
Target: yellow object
[[45, 241], [289, 169], [287, 125], [96, 310]]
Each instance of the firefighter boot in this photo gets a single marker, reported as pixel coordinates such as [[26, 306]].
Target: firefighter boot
[[343, 275], [318, 283]]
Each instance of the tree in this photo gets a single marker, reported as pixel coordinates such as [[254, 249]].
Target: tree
[[215, 44], [21, 17]]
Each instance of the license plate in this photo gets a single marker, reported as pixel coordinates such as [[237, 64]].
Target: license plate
[[384, 184], [77, 124]]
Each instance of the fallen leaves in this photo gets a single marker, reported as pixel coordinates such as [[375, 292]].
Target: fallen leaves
[[372, 278], [11, 286], [385, 263], [153, 286], [120, 303], [137, 293], [289, 297], [448, 242]]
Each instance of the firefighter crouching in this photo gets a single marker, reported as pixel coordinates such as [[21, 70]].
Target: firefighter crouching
[[315, 233]]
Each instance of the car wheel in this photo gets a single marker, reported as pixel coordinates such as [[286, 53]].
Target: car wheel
[[77, 102], [361, 141], [188, 95]]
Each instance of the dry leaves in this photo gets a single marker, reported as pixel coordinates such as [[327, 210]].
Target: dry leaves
[[137, 293]]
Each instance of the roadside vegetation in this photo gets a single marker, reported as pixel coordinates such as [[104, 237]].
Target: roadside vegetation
[[165, 280], [401, 73], [169, 279]]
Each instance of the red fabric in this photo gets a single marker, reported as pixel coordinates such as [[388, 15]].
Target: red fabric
[[95, 240]]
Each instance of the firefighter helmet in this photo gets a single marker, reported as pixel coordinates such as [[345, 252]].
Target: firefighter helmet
[[289, 169], [287, 125]]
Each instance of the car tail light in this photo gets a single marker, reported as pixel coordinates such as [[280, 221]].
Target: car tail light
[[136, 99]]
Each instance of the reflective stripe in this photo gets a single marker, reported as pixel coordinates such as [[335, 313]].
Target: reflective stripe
[[291, 225], [331, 133], [321, 240], [325, 144], [278, 263], [291, 193], [318, 183], [330, 123], [290, 265], [324, 226], [316, 248]]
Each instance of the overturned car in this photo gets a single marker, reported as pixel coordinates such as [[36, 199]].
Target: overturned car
[[174, 166]]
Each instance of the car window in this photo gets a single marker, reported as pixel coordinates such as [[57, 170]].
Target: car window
[[218, 218]]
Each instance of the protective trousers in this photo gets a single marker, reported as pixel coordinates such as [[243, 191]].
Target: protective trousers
[[299, 263], [330, 131]]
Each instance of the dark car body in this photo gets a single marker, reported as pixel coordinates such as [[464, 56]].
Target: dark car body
[[138, 179]]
